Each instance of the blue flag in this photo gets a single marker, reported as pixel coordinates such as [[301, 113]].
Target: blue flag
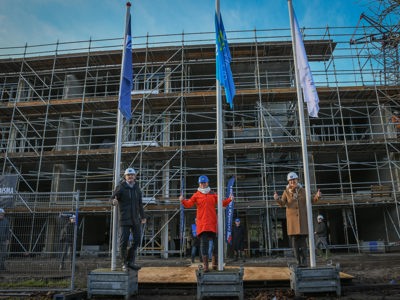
[[223, 60], [126, 83], [229, 211], [194, 230]]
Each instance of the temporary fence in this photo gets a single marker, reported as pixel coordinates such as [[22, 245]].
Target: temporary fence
[[41, 242]]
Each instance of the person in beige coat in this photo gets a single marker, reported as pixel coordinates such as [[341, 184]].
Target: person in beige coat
[[294, 198]]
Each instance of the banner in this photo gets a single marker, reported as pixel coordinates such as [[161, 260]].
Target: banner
[[229, 211], [8, 184]]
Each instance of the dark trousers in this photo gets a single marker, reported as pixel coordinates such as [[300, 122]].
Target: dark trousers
[[205, 238], [66, 246], [125, 232], [322, 242], [299, 246], [3, 255], [194, 251]]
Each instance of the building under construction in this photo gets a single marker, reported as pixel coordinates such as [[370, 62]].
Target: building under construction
[[58, 116]]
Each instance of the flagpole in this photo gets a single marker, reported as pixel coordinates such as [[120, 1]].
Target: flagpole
[[117, 169], [220, 158], [117, 154], [303, 142]]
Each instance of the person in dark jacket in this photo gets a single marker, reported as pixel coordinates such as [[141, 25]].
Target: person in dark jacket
[[321, 236], [4, 238], [238, 240], [294, 198], [67, 239], [128, 197]]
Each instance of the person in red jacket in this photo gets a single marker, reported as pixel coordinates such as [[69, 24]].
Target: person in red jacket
[[206, 218], [396, 122]]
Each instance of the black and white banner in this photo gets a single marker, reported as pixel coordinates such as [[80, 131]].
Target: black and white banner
[[8, 184], [229, 211]]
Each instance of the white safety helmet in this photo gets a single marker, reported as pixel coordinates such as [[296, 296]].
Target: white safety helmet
[[320, 217], [130, 171], [292, 175], [2, 211]]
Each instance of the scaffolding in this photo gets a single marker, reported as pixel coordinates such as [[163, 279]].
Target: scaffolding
[[58, 108]]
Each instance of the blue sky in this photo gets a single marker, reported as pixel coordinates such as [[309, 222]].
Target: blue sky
[[46, 21]]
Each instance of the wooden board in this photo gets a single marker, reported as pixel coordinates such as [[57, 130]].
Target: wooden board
[[188, 274]]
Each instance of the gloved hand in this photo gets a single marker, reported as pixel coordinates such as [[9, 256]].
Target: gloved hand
[[114, 202]]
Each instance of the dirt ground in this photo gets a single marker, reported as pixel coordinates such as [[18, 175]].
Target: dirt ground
[[376, 276]]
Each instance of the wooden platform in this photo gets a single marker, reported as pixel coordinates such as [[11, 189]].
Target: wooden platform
[[187, 275]]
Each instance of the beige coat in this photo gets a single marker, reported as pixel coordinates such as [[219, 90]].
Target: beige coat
[[296, 210]]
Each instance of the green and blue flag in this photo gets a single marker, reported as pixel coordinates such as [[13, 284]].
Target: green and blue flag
[[223, 60]]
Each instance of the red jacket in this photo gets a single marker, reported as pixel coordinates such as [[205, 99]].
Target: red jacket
[[206, 214], [396, 121]]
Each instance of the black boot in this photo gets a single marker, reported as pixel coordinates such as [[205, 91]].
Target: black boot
[[303, 262], [303, 259], [242, 256], [131, 265], [132, 258], [124, 264], [297, 256]]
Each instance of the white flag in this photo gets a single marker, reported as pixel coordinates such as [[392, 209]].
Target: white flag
[[306, 79]]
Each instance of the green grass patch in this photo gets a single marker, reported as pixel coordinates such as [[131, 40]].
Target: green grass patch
[[36, 283]]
